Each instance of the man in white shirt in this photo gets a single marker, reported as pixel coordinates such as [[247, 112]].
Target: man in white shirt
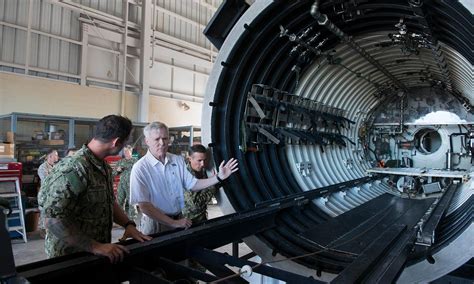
[[158, 181]]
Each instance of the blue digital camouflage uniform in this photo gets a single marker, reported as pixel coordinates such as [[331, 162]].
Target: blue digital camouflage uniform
[[123, 191], [195, 202], [79, 190]]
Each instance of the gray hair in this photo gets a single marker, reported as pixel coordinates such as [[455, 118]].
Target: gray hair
[[155, 125]]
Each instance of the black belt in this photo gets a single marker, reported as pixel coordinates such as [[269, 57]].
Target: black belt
[[176, 216]]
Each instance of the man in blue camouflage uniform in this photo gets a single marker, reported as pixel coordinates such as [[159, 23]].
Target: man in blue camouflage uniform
[[195, 202], [77, 198]]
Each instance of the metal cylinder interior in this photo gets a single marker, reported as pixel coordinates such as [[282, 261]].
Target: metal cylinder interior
[[340, 74]]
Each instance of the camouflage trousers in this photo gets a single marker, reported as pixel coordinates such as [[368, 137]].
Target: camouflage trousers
[[199, 218]]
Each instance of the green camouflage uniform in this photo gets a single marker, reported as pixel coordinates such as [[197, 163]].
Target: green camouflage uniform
[[123, 191], [195, 202], [43, 171], [78, 190]]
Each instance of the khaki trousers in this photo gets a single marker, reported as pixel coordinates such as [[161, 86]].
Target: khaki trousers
[[149, 226]]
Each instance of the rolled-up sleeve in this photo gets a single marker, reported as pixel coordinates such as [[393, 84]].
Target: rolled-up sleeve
[[139, 191], [189, 181]]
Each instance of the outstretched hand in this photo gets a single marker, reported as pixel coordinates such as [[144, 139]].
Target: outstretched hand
[[225, 170]]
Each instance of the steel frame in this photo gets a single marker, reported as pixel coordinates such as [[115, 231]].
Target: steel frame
[[150, 261], [161, 259], [140, 266], [208, 257]]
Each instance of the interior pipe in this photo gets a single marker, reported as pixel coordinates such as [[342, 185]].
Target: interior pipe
[[323, 20], [417, 7], [449, 158], [449, 154], [153, 34], [124, 66], [402, 115], [95, 13], [451, 139]]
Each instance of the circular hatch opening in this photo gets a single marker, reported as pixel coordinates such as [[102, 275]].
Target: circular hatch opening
[[427, 141]]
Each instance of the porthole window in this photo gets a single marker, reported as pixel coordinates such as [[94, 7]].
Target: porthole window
[[427, 141]]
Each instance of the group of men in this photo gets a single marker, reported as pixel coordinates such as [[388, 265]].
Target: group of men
[[78, 203]]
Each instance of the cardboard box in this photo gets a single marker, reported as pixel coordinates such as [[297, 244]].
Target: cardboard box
[[7, 149], [51, 142], [10, 137], [39, 135], [55, 136]]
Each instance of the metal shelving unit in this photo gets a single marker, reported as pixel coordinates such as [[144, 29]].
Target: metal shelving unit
[[183, 137], [77, 131]]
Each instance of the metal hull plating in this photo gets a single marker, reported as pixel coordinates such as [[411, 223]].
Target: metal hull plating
[[276, 44]]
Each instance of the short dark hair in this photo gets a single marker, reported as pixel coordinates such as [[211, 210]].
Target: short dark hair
[[198, 148], [111, 127], [50, 151]]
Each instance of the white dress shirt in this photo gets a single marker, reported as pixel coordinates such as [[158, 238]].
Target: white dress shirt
[[161, 184]]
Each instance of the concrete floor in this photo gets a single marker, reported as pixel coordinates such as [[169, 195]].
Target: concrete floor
[[33, 250]]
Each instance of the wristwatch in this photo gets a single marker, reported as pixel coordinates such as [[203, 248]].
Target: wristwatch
[[130, 222], [219, 179]]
